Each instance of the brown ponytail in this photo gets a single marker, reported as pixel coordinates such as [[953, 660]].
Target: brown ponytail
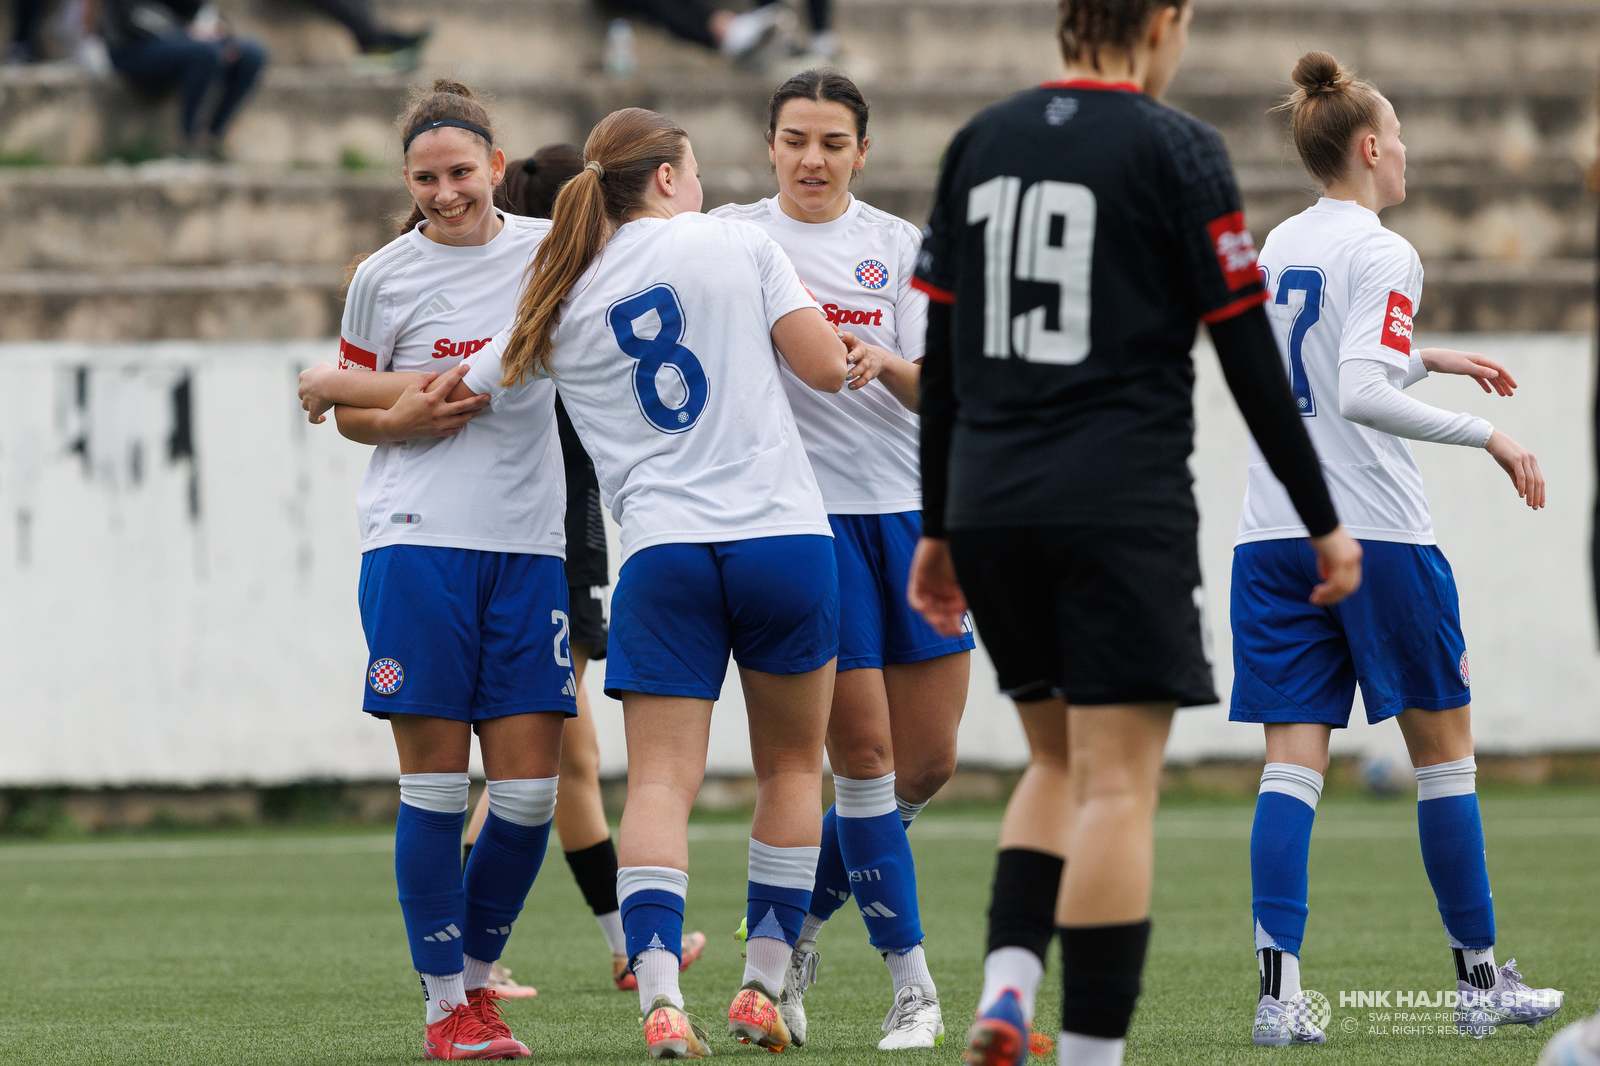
[[1327, 110], [621, 156]]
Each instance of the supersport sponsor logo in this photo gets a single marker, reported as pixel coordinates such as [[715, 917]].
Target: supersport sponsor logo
[[1397, 323], [842, 316], [1236, 249], [445, 349], [353, 358]]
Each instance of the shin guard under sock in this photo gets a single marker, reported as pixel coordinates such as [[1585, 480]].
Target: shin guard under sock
[[1101, 968], [1451, 832], [1280, 848], [832, 886], [505, 861], [652, 900], [883, 876], [433, 808]]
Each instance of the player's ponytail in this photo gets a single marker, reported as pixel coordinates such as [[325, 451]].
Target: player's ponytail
[[1327, 109], [621, 156]]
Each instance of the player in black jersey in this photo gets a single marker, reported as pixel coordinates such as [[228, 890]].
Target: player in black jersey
[[1081, 232]]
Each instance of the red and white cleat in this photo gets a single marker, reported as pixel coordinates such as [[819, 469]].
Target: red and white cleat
[[669, 1033], [482, 1002], [462, 1035], [754, 1018]]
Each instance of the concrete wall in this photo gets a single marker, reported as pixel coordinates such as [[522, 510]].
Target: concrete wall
[[178, 562]]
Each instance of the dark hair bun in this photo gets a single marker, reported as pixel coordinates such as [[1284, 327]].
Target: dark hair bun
[[451, 86], [1318, 72]]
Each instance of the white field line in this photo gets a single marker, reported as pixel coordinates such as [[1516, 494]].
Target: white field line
[[1180, 828]]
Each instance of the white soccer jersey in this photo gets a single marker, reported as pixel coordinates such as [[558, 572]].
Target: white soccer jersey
[[665, 363], [1342, 287], [862, 442], [498, 485]]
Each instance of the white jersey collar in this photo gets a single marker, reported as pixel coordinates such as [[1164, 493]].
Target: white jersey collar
[[1328, 205], [471, 251], [813, 229]]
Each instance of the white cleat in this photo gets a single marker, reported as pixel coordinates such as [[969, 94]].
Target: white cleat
[[801, 975], [1509, 1002], [914, 1021], [1281, 1024], [1576, 1045]]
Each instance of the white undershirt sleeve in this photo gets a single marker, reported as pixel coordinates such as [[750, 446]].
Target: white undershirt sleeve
[[1369, 396], [1415, 371]]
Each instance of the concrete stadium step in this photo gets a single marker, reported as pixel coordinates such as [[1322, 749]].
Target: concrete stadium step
[[102, 219], [318, 117], [943, 38]]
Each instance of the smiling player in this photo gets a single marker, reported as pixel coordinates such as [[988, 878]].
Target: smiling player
[[901, 686]]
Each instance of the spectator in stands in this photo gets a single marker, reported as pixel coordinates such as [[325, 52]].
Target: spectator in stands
[[24, 45], [158, 44], [701, 22], [390, 49]]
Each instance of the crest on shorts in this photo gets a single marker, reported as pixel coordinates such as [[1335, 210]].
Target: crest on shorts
[[1466, 675], [872, 274], [386, 677]]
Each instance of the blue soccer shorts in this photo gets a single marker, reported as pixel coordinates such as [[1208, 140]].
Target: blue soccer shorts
[[465, 634], [877, 626], [1399, 636], [679, 609]]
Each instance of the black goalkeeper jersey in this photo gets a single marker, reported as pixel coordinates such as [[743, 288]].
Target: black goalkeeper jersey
[[1082, 232]]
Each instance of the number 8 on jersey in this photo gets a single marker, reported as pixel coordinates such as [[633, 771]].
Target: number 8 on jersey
[[648, 326]]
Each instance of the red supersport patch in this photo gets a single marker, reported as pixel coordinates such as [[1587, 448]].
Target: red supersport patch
[[1236, 250], [353, 358], [1397, 323]]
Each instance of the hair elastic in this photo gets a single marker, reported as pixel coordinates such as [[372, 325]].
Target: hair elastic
[[460, 124], [599, 171]]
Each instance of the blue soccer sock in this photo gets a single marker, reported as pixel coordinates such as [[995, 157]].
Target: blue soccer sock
[[778, 893], [873, 840], [652, 900], [832, 887], [503, 865], [1280, 846], [1451, 832], [427, 834]]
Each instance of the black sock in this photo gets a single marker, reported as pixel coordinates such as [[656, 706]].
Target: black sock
[[1100, 970], [595, 869], [1480, 976], [1270, 965], [1022, 904], [466, 853]]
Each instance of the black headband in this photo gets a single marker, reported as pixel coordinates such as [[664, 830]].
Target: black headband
[[470, 127]]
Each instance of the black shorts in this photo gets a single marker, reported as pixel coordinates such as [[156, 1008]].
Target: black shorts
[[587, 611], [1097, 615]]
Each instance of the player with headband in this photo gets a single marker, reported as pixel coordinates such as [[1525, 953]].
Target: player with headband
[[663, 349], [901, 686], [1343, 293], [463, 596]]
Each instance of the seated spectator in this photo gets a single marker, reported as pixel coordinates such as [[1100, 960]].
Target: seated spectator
[[383, 49], [737, 36], [24, 44], [158, 44]]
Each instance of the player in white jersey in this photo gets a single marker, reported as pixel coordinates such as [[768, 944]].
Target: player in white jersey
[[659, 326], [463, 595], [901, 686], [1343, 292]]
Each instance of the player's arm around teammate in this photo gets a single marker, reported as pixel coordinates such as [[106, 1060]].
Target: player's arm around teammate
[[664, 362], [1056, 495], [1345, 291], [901, 686]]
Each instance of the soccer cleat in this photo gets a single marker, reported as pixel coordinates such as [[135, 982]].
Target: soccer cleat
[[1576, 1045], [914, 1021], [801, 975], [999, 1036], [669, 1033], [482, 1002], [754, 1018], [692, 947], [1281, 1024], [622, 976], [500, 980], [461, 1034], [1509, 1002]]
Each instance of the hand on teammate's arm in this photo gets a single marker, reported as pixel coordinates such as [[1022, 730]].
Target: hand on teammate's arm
[[424, 407], [812, 348], [868, 362], [1490, 375], [325, 386]]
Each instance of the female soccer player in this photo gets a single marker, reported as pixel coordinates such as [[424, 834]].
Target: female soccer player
[[901, 686], [463, 598], [664, 357], [1343, 292], [1081, 232]]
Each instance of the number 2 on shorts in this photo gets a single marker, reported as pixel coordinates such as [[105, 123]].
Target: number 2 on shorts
[[657, 312]]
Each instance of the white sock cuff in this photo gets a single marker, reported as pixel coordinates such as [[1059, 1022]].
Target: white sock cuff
[[1301, 782], [631, 879], [783, 867], [440, 793], [524, 801], [870, 798], [1459, 778], [909, 810]]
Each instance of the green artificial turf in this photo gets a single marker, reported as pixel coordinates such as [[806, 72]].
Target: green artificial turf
[[286, 946]]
